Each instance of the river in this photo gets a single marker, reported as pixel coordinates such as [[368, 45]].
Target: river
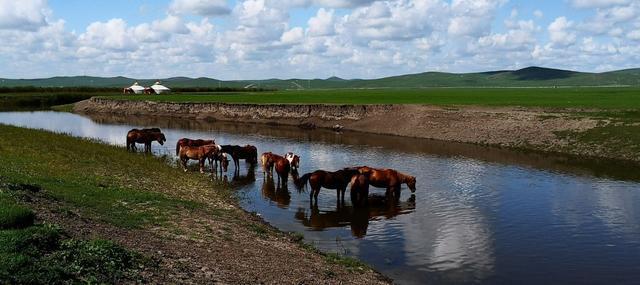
[[480, 215]]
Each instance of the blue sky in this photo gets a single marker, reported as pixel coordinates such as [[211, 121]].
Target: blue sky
[[251, 39]]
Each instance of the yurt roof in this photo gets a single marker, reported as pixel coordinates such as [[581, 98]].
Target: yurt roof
[[136, 86], [158, 86]]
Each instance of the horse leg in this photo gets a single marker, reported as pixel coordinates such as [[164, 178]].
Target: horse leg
[[184, 163], [201, 163]]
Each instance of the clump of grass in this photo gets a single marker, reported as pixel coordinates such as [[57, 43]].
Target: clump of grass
[[12, 215], [15, 217], [350, 263], [42, 255]]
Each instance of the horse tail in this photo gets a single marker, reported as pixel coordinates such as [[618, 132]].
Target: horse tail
[[128, 142], [302, 181], [178, 148]]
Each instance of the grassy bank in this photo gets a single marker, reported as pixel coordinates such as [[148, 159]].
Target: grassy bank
[[605, 98], [30, 101], [117, 210]]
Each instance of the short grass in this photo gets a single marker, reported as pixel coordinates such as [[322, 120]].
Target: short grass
[[102, 182], [43, 255], [603, 98], [13, 215]]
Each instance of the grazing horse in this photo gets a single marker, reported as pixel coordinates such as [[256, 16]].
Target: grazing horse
[[190, 142], [145, 136], [248, 153], [331, 180], [199, 153], [223, 159], [390, 179], [294, 160], [281, 165]]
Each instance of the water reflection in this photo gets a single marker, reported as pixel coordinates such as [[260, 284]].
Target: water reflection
[[279, 195], [357, 218]]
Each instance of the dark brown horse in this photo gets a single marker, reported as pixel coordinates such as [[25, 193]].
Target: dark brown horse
[[190, 142], [199, 153], [389, 179], [281, 165], [247, 152], [331, 180], [144, 136]]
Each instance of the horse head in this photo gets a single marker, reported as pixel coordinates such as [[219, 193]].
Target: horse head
[[411, 183], [161, 138]]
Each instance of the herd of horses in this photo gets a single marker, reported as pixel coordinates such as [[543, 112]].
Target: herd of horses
[[359, 177]]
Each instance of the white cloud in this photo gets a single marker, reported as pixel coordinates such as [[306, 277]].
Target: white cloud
[[23, 15], [597, 3], [560, 32], [200, 7], [322, 24]]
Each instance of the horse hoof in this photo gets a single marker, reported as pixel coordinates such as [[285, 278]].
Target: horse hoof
[[185, 170]]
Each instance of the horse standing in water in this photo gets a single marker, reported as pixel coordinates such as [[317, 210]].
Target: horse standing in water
[[247, 152], [280, 164], [390, 179], [199, 153], [331, 180], [359, 189], [267, 167], [190, 142], [144, 136]]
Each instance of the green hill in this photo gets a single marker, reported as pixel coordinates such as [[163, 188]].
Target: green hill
[[526, 77]]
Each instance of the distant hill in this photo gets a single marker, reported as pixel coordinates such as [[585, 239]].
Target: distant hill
[[526, 77]]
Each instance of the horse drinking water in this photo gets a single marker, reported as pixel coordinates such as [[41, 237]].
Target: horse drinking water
[[390, 179], [199, 153]]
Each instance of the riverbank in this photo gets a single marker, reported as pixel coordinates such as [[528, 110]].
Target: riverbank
[[187, 225], [611, 133]]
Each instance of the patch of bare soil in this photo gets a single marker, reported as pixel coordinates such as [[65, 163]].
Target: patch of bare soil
[[211, 247]]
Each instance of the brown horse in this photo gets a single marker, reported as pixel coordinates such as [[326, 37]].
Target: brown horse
[[331, 180], [223, 159], [247, 152], [281, 165], [390, 179], [359, 189], [144, 136], [199, 153], [190, 142], [267, 167]]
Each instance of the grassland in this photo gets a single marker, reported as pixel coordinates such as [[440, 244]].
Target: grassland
[[601, 98], [125, 217]]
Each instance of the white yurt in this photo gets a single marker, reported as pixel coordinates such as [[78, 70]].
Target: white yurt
[[159, 88], [136, 88]]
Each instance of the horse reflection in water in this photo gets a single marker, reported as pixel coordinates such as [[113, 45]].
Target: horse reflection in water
[[356, 217], [237, 180], [280, 195]]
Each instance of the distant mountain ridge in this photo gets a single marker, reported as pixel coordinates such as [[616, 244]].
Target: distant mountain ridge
[[527, 77]]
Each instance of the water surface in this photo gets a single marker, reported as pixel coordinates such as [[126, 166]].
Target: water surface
[[479, 216]]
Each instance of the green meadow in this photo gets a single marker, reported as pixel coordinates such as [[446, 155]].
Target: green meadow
[[599, 98]]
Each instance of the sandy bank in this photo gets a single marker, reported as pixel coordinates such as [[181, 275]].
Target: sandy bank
[[528, 128]]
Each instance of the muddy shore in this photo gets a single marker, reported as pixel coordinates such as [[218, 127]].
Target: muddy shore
[[511, 127]]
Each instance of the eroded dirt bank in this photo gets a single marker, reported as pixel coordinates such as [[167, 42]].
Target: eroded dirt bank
[[554, 130]]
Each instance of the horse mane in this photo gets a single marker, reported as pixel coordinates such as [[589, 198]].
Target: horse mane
[[403, 176]]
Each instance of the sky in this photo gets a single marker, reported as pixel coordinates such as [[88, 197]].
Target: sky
[[260, 39]]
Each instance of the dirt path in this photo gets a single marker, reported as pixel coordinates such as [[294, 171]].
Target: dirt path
[[552, 130]]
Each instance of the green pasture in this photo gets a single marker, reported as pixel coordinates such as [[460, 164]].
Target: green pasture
[[604, 98]]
